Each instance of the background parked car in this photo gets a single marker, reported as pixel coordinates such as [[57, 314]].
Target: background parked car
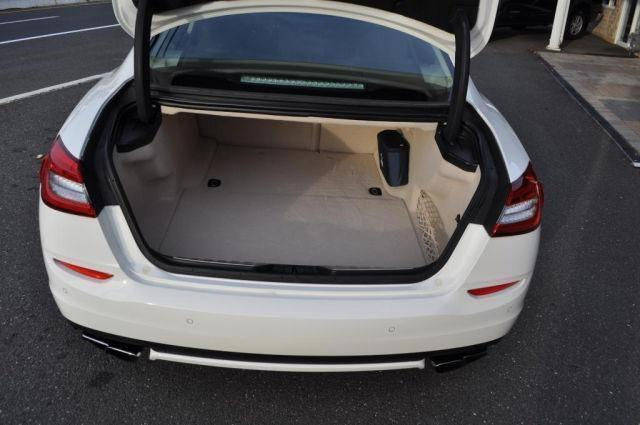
[[520, 14]]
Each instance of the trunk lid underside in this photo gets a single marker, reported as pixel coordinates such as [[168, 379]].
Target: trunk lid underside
[[429, 19]]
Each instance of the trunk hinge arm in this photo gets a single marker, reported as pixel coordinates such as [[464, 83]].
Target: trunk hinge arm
[[139, 129], [452, 139], [141, 66], [460, 77]]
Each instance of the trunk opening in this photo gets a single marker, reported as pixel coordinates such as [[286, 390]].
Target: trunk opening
[[280, 195]]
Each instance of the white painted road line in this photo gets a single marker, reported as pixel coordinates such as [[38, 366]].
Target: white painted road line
[[27, 20], [58, 33], [49, 89]]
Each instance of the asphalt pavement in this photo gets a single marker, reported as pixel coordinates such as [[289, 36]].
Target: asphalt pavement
[[572, 357], [42, 62]]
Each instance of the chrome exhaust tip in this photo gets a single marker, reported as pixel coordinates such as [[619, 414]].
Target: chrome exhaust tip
[[122, 350], [455, 359]]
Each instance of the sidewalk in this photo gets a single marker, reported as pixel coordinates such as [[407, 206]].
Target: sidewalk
[[608, 88]]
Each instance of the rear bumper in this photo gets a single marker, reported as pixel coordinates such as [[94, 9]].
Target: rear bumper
[[281, 326], [147, 304], [129, 349]]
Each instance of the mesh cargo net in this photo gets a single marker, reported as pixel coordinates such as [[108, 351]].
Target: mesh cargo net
[[430, 228]]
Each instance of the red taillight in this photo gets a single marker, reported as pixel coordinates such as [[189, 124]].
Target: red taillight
[[62, 183], [84, 271], [477, 292], [522, 211]]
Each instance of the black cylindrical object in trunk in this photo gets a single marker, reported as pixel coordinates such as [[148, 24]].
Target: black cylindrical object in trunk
[[393, 150]]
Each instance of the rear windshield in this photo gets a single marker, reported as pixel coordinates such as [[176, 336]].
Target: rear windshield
[[301, 53]]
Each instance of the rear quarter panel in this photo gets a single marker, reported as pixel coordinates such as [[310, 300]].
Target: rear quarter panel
[[515, 157], [77, 128]]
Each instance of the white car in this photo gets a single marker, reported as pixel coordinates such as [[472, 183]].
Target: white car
[[292, 185]]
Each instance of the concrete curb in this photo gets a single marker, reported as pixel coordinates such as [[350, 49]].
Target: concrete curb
[[27, 4], [631, 153]]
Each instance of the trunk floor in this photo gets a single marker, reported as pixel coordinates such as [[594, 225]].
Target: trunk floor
[[293, 207]]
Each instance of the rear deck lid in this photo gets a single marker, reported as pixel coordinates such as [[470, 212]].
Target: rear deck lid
[[425, 17]]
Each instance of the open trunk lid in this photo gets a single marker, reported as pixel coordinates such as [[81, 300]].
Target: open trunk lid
[[460, 28], [430, 17]]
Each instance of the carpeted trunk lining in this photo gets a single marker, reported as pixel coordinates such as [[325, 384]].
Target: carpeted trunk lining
[[281, 206]]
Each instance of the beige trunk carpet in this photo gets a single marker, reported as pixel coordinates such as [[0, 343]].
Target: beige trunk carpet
[[278, 206]]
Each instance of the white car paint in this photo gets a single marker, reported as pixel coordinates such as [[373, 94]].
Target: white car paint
[[76, 129], [142, 301]]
